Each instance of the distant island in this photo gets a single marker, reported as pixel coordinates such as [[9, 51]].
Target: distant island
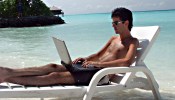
[[28, 13]]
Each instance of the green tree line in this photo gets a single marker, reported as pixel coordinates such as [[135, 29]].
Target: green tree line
[[9, 8]]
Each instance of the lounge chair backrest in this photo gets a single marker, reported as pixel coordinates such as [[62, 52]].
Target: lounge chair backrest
[[146, 36]]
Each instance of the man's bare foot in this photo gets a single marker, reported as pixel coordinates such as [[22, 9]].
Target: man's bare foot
[[4, 73]]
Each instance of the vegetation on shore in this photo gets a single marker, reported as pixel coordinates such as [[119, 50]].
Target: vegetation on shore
[[9, 8], [26, 13]]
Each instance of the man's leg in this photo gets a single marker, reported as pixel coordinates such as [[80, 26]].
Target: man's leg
[[31, 71], [50, 79], [42, 70]]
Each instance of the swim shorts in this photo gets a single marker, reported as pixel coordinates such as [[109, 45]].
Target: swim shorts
[[83, 77]]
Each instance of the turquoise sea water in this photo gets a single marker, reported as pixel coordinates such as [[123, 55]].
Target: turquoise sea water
[[86, 34]]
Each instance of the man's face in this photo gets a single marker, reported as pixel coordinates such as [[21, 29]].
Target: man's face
[[117, 25]]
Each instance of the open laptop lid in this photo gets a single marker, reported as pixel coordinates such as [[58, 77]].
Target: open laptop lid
[[62, 50]]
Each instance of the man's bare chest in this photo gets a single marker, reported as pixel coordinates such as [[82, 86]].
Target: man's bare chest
[[117, 48]]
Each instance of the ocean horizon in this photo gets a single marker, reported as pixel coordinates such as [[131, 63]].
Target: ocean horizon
[[86, 34]]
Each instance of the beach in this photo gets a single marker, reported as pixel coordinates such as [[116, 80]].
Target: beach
[[85, 34]]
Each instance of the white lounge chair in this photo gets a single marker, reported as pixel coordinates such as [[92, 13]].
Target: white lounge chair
[[129, 80]]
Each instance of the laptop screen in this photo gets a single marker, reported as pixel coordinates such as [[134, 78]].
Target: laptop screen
[[62, 50]]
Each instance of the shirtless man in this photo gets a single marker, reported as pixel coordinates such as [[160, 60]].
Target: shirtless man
[[119, 51]]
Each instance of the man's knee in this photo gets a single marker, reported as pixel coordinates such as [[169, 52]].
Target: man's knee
[[52, 65], [55, 67], [55, 74]]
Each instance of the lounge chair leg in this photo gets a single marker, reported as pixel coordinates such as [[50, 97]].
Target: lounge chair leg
[[156, 93], [86, 97], [154, 86]]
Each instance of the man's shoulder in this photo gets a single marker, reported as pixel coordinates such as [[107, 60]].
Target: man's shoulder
[[135, 40], [114, 37]]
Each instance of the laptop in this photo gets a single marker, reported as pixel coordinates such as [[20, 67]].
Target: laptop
[[66, 59]]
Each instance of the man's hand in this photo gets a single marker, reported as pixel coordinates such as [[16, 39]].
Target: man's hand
[[79, 60], [86, 64]]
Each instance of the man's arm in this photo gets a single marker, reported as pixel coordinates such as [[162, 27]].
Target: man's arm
[[96, 55], [126, 61]]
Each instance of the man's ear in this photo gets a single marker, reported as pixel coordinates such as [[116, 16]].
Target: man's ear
[[126, 22]]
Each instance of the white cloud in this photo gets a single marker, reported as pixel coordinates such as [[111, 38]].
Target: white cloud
[[162, 3], [99, 6]]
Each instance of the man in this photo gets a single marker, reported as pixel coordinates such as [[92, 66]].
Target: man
[[119, 51], [19, 8]]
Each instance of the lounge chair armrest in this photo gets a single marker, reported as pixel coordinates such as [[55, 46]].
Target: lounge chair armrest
[[116, 70], [105, 71]]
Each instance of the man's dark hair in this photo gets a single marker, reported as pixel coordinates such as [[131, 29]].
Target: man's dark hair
[[124, 14]]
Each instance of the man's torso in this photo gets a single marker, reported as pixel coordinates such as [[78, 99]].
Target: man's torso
[[115, 50]]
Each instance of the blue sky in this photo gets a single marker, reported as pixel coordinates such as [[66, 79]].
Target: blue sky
[[102, 6]]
